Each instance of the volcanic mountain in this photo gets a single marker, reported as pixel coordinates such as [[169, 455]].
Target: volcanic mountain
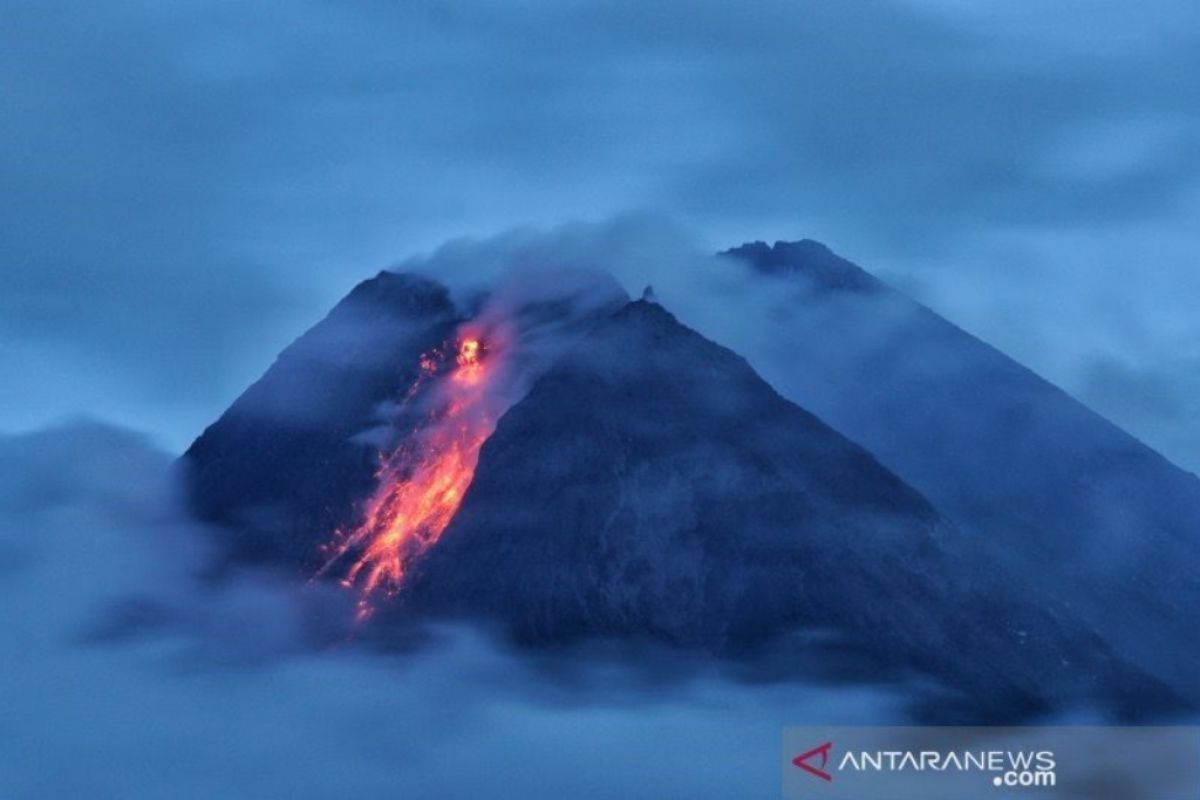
[[642, 482], [1034, 479]]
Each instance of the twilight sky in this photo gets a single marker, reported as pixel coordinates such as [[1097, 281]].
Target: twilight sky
[[188, 185]]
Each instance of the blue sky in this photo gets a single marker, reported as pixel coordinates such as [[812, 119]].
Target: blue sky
[[188, 185]]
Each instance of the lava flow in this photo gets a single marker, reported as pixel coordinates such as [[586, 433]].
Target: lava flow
[[422, 482]]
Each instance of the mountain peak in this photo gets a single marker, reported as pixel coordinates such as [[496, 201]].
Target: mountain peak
[[809, 259]]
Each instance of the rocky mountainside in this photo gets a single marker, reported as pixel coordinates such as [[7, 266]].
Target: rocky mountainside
[[287, 462]]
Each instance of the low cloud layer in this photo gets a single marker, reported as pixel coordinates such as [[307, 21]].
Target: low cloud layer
[[128, 674]]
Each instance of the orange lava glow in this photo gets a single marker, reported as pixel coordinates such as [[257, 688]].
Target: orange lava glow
[[421, 483]]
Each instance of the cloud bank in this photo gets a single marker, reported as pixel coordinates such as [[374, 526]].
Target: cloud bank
[[128, 673]]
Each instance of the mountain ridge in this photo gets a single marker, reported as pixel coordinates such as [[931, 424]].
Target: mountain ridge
[[1044, 483]]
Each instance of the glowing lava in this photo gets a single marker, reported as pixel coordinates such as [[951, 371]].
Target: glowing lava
[[422, 482]]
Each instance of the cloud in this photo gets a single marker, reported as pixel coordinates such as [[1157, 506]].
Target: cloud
[[129, 673], [187, 187]]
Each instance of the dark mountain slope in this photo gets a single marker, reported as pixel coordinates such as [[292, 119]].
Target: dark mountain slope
[[651, 485], [283, 466], [1085, 511]]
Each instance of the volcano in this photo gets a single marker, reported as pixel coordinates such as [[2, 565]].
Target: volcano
[[642, 483]]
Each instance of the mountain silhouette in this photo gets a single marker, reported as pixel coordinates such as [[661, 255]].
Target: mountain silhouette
[[646, 485]]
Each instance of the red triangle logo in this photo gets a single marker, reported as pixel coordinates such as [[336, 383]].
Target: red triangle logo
[[802, 760]]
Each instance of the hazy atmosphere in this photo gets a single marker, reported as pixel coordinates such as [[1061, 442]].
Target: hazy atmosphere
[[189, 186]]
